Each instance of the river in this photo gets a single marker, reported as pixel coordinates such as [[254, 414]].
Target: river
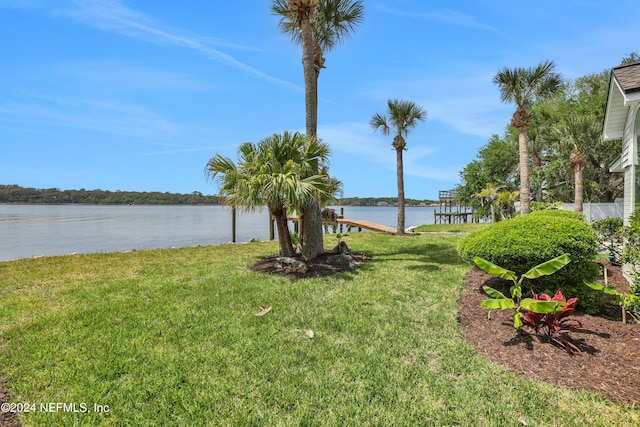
[[46, 230]]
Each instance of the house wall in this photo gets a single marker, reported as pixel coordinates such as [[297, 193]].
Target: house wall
[[629, 152], [630, 162], [629, 192]]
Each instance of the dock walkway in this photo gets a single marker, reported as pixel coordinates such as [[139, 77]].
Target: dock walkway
[[360, 224]]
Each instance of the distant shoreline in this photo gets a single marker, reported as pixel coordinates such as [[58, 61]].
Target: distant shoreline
[[194, 205], [15, 194]]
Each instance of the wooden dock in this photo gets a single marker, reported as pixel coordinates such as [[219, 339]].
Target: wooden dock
[[368, 225], [360, 224]]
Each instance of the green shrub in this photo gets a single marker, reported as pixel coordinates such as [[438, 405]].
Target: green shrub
[[521, 243], [559, 213], [608, 226], [539, 206], [611, 238]]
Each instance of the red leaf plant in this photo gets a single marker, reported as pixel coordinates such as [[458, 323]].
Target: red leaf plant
[[554, 322]]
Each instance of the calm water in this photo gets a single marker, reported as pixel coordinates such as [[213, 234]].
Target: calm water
[[36, 230]]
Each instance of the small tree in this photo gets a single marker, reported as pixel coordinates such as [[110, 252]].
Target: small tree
[[489, 195], [578, 132], [507, 202], [275, 173]]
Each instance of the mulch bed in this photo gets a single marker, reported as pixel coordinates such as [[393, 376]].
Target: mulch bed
[[609, 361], [326, 264]]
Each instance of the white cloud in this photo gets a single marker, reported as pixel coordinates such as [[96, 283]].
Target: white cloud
[[118, 77], [113, 16], [466, 102], [108, 117], [357, 140], [445, 16]]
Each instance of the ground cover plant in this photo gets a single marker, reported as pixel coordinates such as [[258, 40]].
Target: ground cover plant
[[172, 337]]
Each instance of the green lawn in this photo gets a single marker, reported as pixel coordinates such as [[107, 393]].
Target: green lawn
[[449, 228], [170, 337]]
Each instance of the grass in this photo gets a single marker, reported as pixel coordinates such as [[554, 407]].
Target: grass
[[170, 337], [449, 228]]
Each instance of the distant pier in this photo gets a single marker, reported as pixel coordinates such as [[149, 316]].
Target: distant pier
[[450, 211]]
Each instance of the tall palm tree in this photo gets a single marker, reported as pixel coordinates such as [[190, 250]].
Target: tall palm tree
[[331, 21], [577, 131], [489, 194], [273, 172], [523, 86], [317, 25], [401, 117]]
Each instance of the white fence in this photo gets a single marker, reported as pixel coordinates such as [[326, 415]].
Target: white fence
[[598, 211]]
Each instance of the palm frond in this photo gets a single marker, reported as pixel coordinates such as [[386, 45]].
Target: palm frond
[[522, 86], [334, 21]]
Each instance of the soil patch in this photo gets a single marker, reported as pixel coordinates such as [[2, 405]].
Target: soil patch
[[7, 419], [609, 361]]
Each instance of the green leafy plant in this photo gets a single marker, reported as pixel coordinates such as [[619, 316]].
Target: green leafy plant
[[295, 239], [516, 302], [631, 257], [624, 300], [340, 236], [611, 237]]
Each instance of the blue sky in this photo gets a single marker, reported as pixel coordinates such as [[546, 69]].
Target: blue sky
[[139, 94]]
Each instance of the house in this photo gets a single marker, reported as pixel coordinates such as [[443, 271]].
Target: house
[[622, 122]]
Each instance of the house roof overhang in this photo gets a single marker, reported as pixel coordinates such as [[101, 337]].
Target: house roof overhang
[[624, 90]]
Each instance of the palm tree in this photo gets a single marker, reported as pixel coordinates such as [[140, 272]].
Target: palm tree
[[489, 194], [318, 25], [274, 173], [507, 201], [402, 116], [576, 131], [523, 86]]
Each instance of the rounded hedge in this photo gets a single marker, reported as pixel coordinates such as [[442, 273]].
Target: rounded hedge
[[526, 241]]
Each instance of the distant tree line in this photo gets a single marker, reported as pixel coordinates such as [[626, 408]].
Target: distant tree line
[[380, 201], [18, 194]]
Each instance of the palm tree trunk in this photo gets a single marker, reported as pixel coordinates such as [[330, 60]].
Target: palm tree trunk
[[493, 211], [579, 196], [525, 190], [537, 164], [284, 237], [312, 244], [311, 227], [400, 174], [310, 77]]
